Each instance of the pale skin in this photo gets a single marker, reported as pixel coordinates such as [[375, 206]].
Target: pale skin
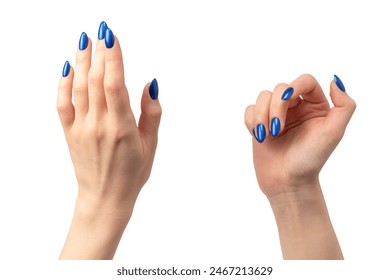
[[287, 166], [111, 154]]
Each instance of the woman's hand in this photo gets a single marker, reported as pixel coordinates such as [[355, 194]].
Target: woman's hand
[[112, 156], [294, 133]]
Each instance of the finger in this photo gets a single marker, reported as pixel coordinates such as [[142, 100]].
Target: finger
[[64, 99], [115, 90], [97, 99], [278, 108], [308, 88], [249, 119], [149, 121], [340, 115], [80, 83], [261, 116]]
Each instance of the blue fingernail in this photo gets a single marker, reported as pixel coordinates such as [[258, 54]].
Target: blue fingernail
[[83, 42], [102, 30], [287, 93], [275, 127], [153, 89], [339, 83], [254, 134], [109, 38], [66, 69], [260, 129]]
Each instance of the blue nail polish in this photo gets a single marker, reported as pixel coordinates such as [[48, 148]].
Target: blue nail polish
[[83, 42], [260, 133], [66, 69], [275, 127], [254, 134], [153, 89], [339, 83], [109, 38], [102, 30], [287, 93]]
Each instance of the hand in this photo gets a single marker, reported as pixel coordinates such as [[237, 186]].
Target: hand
[[112, 156], [303, 132]]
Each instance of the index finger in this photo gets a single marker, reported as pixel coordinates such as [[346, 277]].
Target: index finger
[[308, 87]]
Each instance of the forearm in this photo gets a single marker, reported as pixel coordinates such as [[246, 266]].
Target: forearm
[[305, 229], [95, 232]]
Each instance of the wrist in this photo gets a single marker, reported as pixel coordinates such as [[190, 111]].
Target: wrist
[[102, 209], [298, 195], [104, 201], [294, 210], [305, 229], [95, 231], [109, 223]]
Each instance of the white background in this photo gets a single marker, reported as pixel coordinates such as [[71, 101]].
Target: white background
[[202, 206]]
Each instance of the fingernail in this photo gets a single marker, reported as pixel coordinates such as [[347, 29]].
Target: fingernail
[[102, 30], [260, 135], [287, 93], [153, 89], [83, 42], [66, 69], [275, 127], [109, 38], [339, 83]]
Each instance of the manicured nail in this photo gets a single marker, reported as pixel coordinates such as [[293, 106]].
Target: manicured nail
[[66, 69], [109, 38], [254, 134], [287, 93], [102, 30], [275, 127], [260, 135], [153, 89], [83, 43], [339, 83]]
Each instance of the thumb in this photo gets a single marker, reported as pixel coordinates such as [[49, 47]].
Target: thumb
[[344, 107], [151, 111]]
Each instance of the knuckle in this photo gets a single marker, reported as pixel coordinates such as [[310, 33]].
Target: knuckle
[[352, 105], [112, 87], [92, 130], [93, 134], [280, 86], [155, 112], [116, 133], [63, 107], [248, 109], [248, 114], [79, 89], [95, 79], [263, 96], [265, 93], [308, 76], [248, 122]]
